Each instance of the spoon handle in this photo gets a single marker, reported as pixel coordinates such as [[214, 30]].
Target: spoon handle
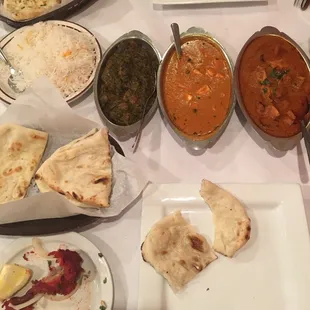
[[177, 38], [304, 4], [4, 57], [138, 136], [306, 136]]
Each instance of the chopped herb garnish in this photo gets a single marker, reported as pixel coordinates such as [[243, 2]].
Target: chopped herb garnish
[[100, 255], [274, 91], [102, 308], [187, 71], [105, 280], [265, 90], [265, 82], [49, 263], [278, 74], [195, 111]]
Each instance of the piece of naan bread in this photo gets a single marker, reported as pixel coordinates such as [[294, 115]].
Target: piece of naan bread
[[176, 250], [21, 152], [80, 170], [232, 224], [29, 9]]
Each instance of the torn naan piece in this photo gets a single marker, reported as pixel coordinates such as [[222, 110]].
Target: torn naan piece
[[21, 152], [80, 170], [176, 250], [232, 224]]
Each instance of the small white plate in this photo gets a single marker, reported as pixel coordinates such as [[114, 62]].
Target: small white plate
[[179, 2], [271, 272], [90, 295], [6, 92]]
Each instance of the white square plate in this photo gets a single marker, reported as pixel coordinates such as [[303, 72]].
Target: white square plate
[[178, 2], [271, 272]]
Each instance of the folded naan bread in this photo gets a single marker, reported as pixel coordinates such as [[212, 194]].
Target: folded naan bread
[[21, 152], [232, 224], [80, 170], [176, 250]]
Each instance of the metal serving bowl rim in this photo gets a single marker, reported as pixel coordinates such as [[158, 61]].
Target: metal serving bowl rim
[[196, 32], [265, 31], [136, 35]]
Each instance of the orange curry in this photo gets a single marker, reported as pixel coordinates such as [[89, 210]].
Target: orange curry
[[274, 84], [197, 88]]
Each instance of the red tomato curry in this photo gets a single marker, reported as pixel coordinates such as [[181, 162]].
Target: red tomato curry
[[274, 83], [197, 88]]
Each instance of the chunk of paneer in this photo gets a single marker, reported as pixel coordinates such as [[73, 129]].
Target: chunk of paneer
[[298, 82], [204, 90], [260, 109], [266, 121], [287, 120], [271, 111], [291, 115], [268, 111], [211, 72], [220, 76], [188, 97], [266, 95], [278, 63], [286, 80], [282, 105], [197, 72], [261, 74]]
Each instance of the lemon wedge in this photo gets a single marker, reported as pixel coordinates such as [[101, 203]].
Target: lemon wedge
[[12, 279]]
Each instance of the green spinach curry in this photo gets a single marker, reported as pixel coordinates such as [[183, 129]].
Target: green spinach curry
[[127, 82]]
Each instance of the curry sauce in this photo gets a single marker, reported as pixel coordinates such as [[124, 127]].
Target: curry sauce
[[197, 88], [127, 81], [274, 83]]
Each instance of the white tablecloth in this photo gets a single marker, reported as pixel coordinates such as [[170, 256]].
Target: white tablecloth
[[240, 156]]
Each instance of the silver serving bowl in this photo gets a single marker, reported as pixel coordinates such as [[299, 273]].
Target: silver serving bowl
[[192, 143], [122, 131], [282, 144]]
